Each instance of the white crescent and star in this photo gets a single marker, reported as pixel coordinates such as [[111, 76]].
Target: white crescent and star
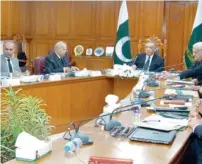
[[119, 47]]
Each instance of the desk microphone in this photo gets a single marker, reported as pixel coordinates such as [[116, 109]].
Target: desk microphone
[[174, 65], [86, 140], [112, 123]]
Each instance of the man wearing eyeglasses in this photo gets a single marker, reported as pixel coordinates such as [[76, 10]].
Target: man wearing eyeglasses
[[9, 64], [195, 71], [150, 60]]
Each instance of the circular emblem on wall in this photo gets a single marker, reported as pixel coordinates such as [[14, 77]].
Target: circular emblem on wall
[[78, 50]]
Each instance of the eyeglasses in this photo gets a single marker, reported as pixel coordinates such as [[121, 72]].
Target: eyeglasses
[[195, 52]]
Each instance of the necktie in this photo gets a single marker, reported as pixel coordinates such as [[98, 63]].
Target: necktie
[[146, 65], [10, 66], [62, 61]]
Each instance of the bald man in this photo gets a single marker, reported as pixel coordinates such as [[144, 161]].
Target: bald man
[[9, 64], [55, 62]]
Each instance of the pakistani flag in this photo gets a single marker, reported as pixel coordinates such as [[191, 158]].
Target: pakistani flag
[[122, 52], [196, 35]]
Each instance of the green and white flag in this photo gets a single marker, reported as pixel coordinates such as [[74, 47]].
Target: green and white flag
[[122, 51], [196, 35]]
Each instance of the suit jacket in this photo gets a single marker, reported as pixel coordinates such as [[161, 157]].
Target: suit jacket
[[157, 63], [53, 64], [193, 153], [4, 65], [195, 72]]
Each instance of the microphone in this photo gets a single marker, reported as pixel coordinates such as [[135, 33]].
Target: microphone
[[86, 140], [174, 65], [143, 93], [112, 123]]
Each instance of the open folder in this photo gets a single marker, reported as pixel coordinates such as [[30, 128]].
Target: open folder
[[161, 123]]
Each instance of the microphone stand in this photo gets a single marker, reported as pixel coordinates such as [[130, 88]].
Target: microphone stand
[[86, 139]]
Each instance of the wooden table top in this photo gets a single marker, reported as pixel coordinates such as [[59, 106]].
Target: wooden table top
[[107, 146]]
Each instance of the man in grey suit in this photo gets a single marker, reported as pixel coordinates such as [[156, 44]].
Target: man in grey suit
[[9, 64]]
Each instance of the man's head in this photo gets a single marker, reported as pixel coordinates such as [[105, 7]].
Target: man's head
[[150, 48], [60, 48], [8, 49], [197, 51]]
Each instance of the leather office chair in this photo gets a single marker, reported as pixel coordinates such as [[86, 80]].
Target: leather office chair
[[39, 65], [162, 46]]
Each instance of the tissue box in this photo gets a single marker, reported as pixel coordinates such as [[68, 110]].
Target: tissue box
[[31, 155]]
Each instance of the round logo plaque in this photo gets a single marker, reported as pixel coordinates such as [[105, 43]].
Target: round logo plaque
[[78, 50]]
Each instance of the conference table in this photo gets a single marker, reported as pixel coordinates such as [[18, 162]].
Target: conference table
[[104, 145], [76, 98]]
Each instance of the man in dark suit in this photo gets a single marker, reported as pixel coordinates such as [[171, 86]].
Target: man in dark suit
[[149, 61], [196, 70], [9, 64], [56, 61], [193, 153]]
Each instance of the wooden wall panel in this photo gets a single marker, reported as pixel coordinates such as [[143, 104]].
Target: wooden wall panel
[[106, 24], [63, 17], [175, 18], [84, 19], [16, 11], [134, 19], [179, 21], [190, 12], [151, 15], [27, 18], [5, 15], [42, 12]]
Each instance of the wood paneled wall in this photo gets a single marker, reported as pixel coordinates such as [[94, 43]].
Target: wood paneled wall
[[94, 23]]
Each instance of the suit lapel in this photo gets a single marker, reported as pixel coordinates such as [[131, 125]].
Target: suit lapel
[[4, 64], [57, 60]]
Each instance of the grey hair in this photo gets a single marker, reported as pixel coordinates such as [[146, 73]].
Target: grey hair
[[60, 44], [9, 41], [151, 41], [198, 45]]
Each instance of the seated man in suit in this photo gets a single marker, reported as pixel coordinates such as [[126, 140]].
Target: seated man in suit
[[196, 70], [55, 62], [149, 61], [193, 153], [9, 64]]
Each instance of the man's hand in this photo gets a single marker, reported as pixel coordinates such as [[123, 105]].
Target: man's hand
[[195, 88], [74, 69], [16, 74], [194, 121], [66, 69], [134, 67], [194, 115], [195, 81]]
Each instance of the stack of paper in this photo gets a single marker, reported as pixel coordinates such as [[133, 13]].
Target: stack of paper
[[182, 92], [158, 122]]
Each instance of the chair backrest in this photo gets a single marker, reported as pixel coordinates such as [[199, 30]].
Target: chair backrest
[[162, 46], [39, 65]]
